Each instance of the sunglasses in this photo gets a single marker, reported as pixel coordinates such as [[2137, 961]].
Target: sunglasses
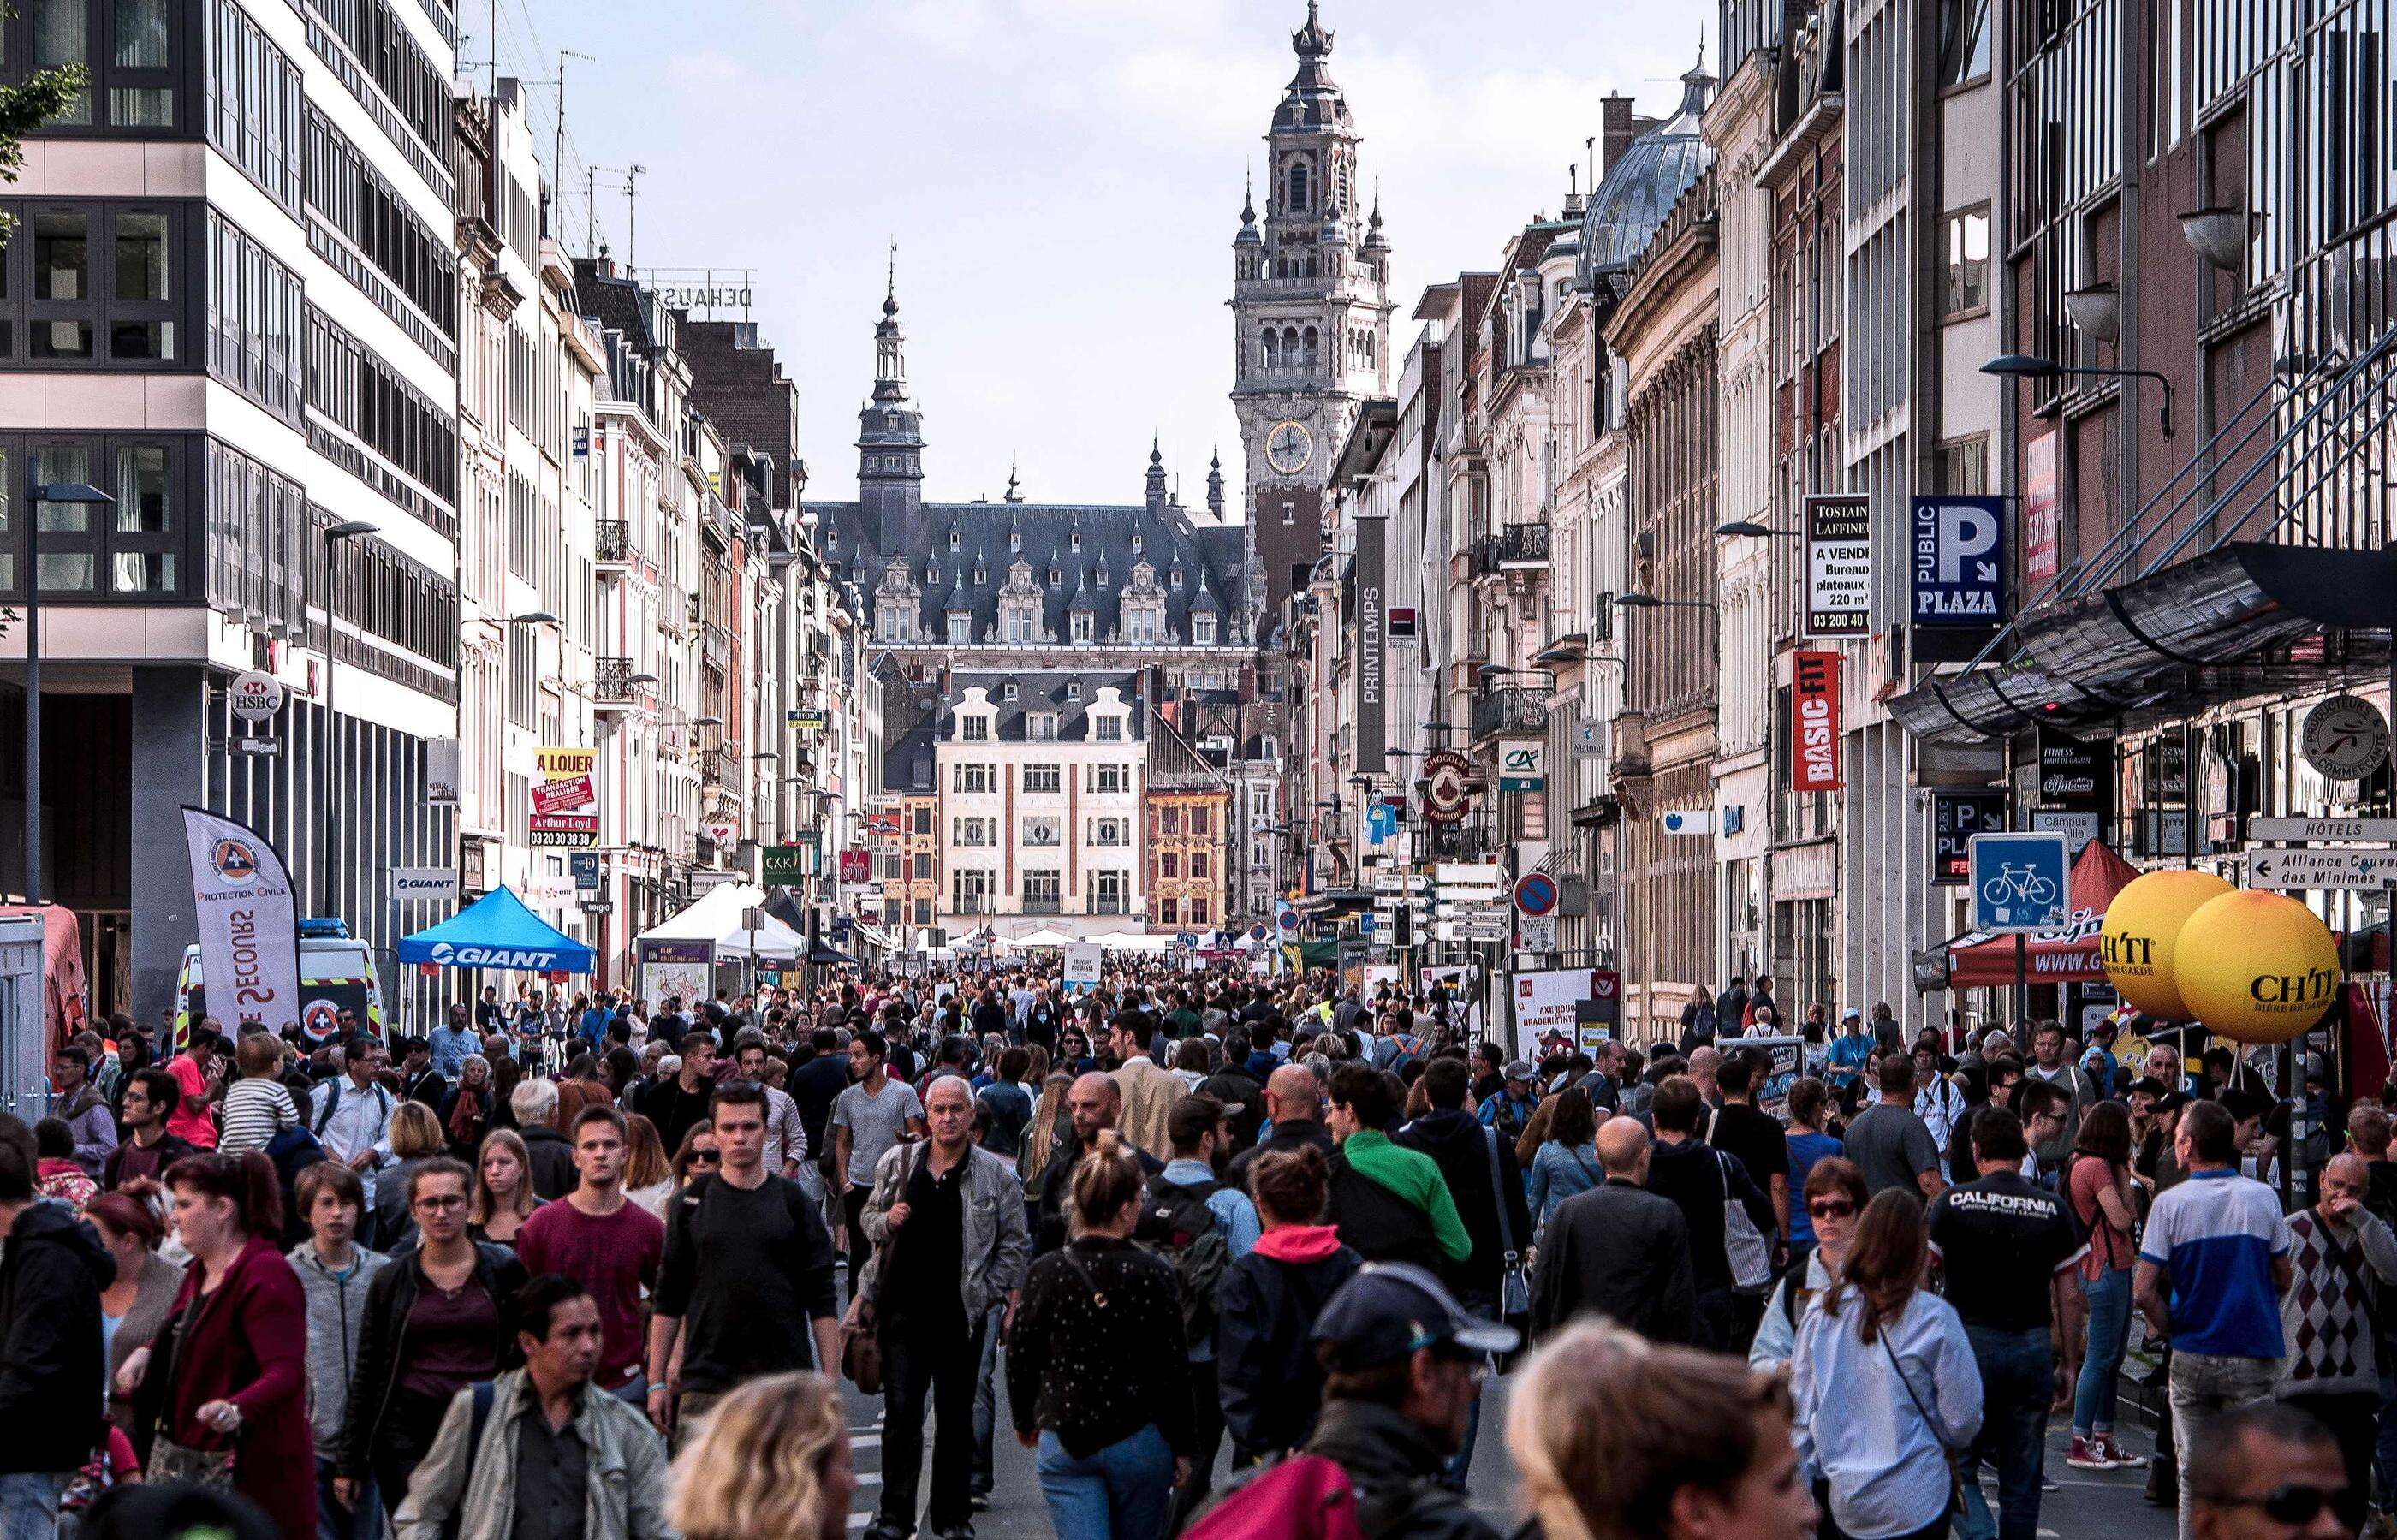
[[2291, 1504], [1831, 1208], [706, 1158]]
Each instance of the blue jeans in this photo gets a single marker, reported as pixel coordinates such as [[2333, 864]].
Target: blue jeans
[[2017, 1372], [2101, 1358], [1120, 1492], [336, 1523], [986, 1410], [28, 1503]]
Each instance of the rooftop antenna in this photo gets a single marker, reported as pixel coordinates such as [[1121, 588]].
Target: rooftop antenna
[[1589, 152], [632, 202], [557, 148]]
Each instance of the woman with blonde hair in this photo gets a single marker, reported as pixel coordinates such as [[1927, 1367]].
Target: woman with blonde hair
[[648, 1176], [416, 1136], [1048, 1128], [504, 1197], [1616, 1437], [771, 1462]]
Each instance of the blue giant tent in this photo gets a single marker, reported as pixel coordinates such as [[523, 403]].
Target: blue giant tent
[[497, 930]]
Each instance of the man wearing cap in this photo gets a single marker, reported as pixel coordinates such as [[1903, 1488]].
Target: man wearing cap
[[1510, 1106], [1850, 1051], [1402, 1364]]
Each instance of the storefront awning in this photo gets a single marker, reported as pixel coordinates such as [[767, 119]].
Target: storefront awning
[[2096, 658]]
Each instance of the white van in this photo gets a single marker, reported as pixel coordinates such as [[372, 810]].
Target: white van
[[337, 974]]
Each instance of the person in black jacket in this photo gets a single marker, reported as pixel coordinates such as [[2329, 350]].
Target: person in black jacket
[[1235, 1088], [1267, 1308], [53, 1366], [1098, 1376], [1486, 1181], [1293, 1107], [438, 1317], [547, 1153], [1701, 1179], [1617, 1249]]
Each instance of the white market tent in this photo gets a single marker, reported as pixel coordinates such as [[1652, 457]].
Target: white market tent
[[1042, 936], [1130, 940], [715, 919]]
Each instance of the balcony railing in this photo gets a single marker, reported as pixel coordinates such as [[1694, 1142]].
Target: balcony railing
[[1034, 904], [1516, 547], [1109, 906], [719, 767], [1509, 709], [612, 680], [614, 538]]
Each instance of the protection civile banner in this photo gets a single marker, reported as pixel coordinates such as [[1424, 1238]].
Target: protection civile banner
[[250, 930]]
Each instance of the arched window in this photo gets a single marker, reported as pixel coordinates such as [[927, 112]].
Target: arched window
[[1290, 347], [1298, 188], [1310, 269], [1273, 358], [1310, 353]]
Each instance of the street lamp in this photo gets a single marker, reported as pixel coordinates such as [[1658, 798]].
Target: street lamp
[[1753, 529], [1650, 601], [2023, 366], [82, 494], [348, 528]]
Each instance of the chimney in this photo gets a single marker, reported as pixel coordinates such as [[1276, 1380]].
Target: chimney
[[1619, 127]]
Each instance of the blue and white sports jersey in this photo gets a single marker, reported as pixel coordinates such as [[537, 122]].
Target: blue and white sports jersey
[[2215, 1236]]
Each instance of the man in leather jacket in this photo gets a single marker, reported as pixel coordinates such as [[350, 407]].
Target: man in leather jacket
[[1403, 1367]]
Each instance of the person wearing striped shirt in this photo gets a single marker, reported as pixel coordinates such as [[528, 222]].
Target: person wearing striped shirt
[[259, 1106]]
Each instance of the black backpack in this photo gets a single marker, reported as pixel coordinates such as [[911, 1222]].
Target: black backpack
[[1176, 1224]]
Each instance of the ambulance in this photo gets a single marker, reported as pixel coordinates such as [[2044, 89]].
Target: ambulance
[[337, 974]]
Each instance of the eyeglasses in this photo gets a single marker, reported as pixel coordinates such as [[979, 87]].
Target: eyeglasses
[[2291, 1504], [706, 1158], [439, 1204], [1831, 1208]]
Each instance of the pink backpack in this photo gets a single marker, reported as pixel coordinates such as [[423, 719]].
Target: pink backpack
[[1304, 1498]]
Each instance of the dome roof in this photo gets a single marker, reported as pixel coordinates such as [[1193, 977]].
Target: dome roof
[[1641, 189]]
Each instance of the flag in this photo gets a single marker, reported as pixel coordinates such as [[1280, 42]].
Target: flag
[[249, 931]]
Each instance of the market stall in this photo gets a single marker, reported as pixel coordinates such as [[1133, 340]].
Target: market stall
[[713, 944], [497, 930]]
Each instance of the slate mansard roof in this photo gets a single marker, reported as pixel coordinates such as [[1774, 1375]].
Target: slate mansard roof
[[962, 556]]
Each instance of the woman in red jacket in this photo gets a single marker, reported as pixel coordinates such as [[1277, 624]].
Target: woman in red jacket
[[228, 1375]]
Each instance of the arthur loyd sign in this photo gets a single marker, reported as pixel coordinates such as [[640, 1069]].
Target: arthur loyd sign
[[1814, 721]]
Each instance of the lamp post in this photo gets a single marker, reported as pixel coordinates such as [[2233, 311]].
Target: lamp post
[[2023, 366], [81, 494]]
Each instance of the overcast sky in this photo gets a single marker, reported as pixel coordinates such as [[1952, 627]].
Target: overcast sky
[[1063, 178]]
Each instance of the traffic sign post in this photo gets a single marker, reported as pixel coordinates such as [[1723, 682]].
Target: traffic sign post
[[1535, 894], [2020, 883]]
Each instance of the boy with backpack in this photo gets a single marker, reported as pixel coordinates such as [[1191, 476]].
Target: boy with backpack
[[1201, 1226]]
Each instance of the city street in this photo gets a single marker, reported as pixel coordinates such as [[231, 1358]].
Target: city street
[[2086, 1502]]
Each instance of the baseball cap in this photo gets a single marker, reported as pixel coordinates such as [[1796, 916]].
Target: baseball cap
[[1520, 1070], [1391, 1309], [1852, 1014]]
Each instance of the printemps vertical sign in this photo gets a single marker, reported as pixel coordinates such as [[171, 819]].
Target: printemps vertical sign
[[564, 801], [1814, 721], [1373, 680]]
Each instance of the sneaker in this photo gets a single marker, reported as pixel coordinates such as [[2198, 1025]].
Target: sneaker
[[2112, 1449], [2049, 1483], [978, 1501], [2088, 1454]]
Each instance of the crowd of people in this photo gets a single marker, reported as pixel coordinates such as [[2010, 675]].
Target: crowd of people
[[1228, 1255]]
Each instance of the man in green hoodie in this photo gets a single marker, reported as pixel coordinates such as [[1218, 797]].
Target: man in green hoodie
[[1391, 1203]]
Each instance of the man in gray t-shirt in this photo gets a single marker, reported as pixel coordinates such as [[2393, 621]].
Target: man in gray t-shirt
[[872, 1115], [1889, 1143]]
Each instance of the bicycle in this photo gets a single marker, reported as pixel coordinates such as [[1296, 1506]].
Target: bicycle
[[2018, 885]]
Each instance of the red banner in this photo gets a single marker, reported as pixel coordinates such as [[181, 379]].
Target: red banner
[[1814, 721]]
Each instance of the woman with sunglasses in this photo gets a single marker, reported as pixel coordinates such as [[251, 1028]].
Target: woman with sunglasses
[[698, 1155], [1809, 1107], [436, 1322], [1834, 1196]]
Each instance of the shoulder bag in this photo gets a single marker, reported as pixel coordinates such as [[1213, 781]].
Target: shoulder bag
[[1955, 1456], [1514, 1289]]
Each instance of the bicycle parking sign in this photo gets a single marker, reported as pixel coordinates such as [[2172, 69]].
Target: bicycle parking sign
[[2020, 882]]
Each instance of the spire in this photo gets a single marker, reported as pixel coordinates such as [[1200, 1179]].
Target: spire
[[1215, 484], [891, 282], [1248, 193], [1012, 494], [889, 341], [1155, 476], [1311, 42]]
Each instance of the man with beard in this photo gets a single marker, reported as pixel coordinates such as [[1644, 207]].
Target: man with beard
[[1202, 1225]]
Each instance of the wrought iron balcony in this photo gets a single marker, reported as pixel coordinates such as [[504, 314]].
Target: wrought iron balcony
[[612, 681], [1109, 906], [613, 539], [1510, 710], [1040, 905], [1515, 548], [719, 767]]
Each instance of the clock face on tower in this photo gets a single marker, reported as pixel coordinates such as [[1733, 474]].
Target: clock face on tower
[[1288, 447]]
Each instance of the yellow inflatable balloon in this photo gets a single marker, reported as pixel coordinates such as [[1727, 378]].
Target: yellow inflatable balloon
[[2137, 941], [2257, 967]]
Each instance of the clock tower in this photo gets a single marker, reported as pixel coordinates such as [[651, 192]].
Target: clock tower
[[1310, 319]]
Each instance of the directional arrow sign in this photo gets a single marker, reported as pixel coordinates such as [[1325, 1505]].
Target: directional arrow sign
[[2321, 868]]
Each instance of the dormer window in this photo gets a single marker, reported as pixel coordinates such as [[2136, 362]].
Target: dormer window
[[981, 576], [953, 537], [1174, 577], [1083, 627], [1135, 542], [1015, 540], [1076, 540], [1100, 577], [1007, 691], [1073, 690], [931, 572], [1202, 630], [1054, 577]]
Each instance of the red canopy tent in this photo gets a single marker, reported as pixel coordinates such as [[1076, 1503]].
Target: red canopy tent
[[1977, 962]]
